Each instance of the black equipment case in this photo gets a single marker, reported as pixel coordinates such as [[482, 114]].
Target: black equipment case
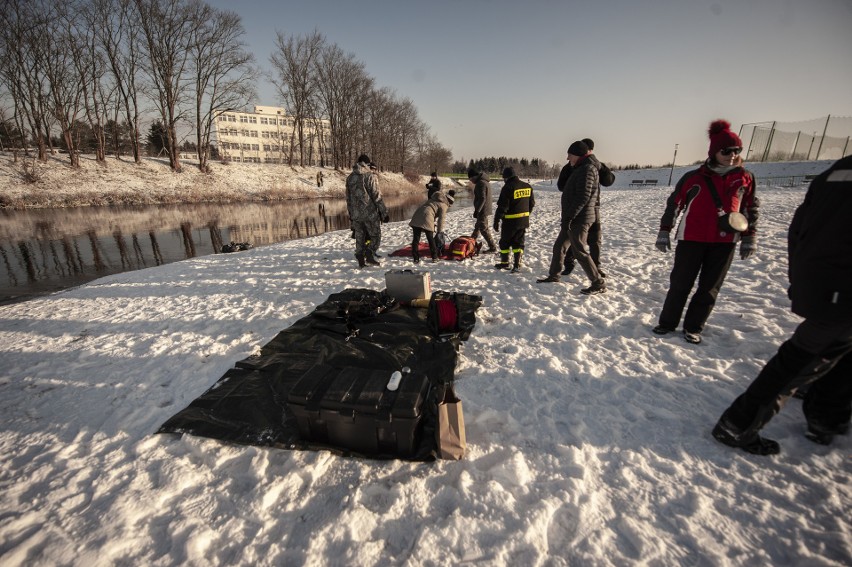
[[352, 408]]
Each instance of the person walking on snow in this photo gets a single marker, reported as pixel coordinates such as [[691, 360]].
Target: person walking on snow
[[607, 178], [514, 207], [425, 218], [578, 214], [367, 211], [721, 187], [482, 207], [819, 245]]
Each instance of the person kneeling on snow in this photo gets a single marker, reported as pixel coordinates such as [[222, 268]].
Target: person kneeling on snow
[[433, 211]]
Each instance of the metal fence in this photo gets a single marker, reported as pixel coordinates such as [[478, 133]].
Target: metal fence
[[820, 138]]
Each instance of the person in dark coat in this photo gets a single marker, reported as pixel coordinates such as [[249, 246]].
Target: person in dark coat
[[433, 185], [578, 214], [514, 207], [819, 245], [429, 218], [482, 207], [704, 250], [594, 240]]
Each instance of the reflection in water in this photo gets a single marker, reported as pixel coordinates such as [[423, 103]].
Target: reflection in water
[[44, 250]]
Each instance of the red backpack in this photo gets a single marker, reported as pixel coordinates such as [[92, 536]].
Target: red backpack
[[463, 247]]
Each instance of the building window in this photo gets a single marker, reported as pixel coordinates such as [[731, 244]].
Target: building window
[[264, 120], [254, 133], [253, 119], [243, 118], [255, 147]]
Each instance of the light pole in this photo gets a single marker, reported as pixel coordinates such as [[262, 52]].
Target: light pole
[[673, 162]]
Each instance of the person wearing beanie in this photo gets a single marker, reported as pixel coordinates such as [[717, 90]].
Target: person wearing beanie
[[578, 213], [819, 353], [514, 207], [718, 190], [367, 211], [607, 178], [433, 185], [429, 218], [482, 208]]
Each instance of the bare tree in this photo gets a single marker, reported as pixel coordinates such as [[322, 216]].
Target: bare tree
[[223, 72], [21, 22], [169, 28], [294, 67], [61, 72], [342, 83], [119, 38]]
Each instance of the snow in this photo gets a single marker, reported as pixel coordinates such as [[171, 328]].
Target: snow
[[588, 436]]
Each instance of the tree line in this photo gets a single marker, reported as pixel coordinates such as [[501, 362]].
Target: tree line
[[494, 166], [85, 73]]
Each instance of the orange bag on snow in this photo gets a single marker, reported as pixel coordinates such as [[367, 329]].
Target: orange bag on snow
[[463, 247]]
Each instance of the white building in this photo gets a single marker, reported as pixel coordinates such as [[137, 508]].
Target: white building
[[268, 135]]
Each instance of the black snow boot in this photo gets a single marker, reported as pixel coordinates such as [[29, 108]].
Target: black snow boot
[[503, 264], [371, 259], [753, 443], [361, 261], [516, 267]]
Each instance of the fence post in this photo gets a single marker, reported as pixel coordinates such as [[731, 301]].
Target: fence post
[[824, 130], [769, 141], [796, 144]]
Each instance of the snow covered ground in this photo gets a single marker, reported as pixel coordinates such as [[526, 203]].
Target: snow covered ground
[[588, 435]]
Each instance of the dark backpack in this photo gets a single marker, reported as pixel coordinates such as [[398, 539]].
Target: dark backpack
[[607, 177], [464, 247]]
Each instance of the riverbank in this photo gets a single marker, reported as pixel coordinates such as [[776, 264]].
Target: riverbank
[[28, 183]]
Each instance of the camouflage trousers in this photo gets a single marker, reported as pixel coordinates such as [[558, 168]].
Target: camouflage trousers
[[367, 235]]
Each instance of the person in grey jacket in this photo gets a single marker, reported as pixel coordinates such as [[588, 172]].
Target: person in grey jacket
[[578, 214], [425, 218], [482, 207], [367, 211]]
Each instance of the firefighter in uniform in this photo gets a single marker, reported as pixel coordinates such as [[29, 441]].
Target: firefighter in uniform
[[514, 207]]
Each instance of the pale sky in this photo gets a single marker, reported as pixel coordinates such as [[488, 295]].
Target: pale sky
[[525, 78]]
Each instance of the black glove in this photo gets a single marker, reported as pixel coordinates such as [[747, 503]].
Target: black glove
[[748, 246], [386, 218], [496, 224], [664, 241]]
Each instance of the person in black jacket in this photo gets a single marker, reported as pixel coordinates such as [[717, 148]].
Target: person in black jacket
[[578, 213], [433, 186], [820, 351], [482, 207], [607, 178], [514, 207]]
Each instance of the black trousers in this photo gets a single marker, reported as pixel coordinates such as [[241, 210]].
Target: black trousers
[[415, 243], [709, 263], [820, 354], [512, 238]]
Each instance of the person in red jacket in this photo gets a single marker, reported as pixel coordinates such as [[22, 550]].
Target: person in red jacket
[[705, 248]]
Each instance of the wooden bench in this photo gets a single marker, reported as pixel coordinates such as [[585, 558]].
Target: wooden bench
[[642, 182]]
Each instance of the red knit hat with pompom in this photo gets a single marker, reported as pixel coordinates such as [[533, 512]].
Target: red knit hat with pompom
[[721, 137]]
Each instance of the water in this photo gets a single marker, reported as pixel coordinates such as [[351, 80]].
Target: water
[[46, 250]]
